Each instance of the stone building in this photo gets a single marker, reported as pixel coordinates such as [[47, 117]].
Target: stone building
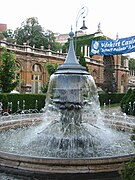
[[30, 62], [63, 38], [33, 74], [131, 83], [96, 66], [3, 27]]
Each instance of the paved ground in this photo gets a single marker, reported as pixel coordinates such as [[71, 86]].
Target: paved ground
[[110, 176]]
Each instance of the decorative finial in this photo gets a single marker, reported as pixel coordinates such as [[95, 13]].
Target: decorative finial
[[117, 36], [71, 34], [99, 27], [71, 64]]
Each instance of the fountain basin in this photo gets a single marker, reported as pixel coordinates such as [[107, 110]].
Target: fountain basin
[[34, 166], [37, 165]]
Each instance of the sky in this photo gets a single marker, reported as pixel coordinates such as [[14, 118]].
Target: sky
[[115, 16]]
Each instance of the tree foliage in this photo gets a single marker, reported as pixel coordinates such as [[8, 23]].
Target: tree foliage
[[128, 171], [7, 71], [51, 68], [128, 102], [132, 64], [32, 33], [82, 61], [8, 35], [4, 101]]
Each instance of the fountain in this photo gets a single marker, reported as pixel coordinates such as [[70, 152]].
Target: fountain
[[73, 138]]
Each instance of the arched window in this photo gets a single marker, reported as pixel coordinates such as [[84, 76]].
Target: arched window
[[94, 74], [37, 78], [122, 83], [122, 80], [109, 83], [36, 68]]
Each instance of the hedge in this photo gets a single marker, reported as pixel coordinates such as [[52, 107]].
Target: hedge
[[30, 100], [114, 98], [128, 102]]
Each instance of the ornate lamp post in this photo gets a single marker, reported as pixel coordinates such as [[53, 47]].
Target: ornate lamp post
[[82, 13]]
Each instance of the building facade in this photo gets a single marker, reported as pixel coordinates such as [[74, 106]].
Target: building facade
[[63, 38], [97, 64], [131, 79], [3, 27], [33, 74]]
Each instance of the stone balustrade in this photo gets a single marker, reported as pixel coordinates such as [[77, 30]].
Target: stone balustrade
[[26, 48]]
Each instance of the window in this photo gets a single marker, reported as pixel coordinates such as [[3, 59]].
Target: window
[[37, 77]]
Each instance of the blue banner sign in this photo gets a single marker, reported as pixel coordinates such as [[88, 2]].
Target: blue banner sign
[[113, 47]]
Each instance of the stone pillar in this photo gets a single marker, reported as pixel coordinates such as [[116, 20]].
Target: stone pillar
[[42, 47], [88, 51], [126, 63], [28, 48], [60, 50], [85, 51], [24, 44], [82, 49], [48, 52]]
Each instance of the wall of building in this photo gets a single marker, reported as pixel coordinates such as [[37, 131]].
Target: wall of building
[[131, 82], [96, 68], [3, 27], [33, 74]]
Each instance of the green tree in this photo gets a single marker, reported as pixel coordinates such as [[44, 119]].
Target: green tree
[[4, 101], [125, 100], [9, 35], [128, 102], [32, 33], [51, 41], [83, 62], [128, 171], [51, 68], [7, 71], [132, 64]]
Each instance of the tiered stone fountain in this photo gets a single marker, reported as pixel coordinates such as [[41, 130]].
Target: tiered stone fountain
[[70, 140]]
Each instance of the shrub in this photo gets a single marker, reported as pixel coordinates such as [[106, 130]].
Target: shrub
[[128, 172], [128, 102], [125, 99], [4, 102], [112, 97], [32, 101]]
